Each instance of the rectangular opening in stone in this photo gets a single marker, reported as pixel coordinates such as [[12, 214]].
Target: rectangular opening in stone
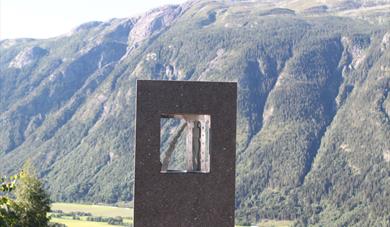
[[185, 143]]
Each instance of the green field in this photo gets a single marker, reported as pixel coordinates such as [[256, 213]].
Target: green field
[[275, 223], [96, 210], [125, 213], [272, 223], [79, 223]]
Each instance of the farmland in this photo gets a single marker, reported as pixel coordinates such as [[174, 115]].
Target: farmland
[[74, 215], [84, 215]]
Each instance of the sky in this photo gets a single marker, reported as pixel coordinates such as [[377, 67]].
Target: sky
[[49, 18]]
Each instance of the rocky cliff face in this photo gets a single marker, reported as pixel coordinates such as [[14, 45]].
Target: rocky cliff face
[[313, 116]]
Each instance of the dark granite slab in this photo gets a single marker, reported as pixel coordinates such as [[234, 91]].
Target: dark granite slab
[[185, 199]]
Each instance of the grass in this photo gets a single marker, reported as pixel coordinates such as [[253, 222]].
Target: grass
[[79, 223], [95, 210], [275, 223], [125, 213]]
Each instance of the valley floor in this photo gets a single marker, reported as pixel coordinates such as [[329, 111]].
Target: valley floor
[[74, 215], [71, 214]]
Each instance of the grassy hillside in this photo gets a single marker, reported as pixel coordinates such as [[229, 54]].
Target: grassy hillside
[[313, 110]]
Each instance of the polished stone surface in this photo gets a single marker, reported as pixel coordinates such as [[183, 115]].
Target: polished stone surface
[[185, 199]]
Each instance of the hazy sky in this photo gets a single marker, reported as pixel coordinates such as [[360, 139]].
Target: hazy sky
[[48, 18]]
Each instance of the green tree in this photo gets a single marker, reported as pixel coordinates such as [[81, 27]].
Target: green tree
[[8, 215], [32, 201]]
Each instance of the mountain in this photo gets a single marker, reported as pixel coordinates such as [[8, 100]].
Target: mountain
[[313, 111]]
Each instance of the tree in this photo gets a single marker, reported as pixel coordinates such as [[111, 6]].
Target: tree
[[32, 201], [8, 215]]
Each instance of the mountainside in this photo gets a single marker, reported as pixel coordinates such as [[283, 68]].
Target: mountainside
[[313, 111]]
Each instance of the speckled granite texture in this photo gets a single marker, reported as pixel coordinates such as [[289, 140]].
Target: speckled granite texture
[[185, 199]]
